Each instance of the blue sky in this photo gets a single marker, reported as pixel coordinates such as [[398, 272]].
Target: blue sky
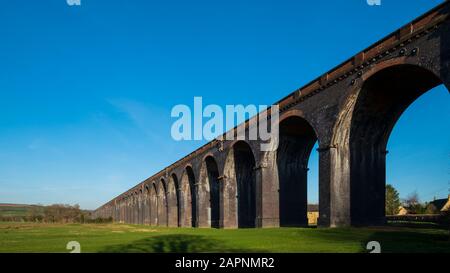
[[86, 91]]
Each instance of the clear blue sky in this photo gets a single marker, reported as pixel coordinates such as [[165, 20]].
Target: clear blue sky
[[86, 92]]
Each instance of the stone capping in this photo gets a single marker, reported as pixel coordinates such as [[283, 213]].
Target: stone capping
[[424, 24]]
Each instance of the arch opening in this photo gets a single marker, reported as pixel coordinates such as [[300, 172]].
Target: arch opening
[[192, 196], [209, 194], [147, 210], [162, 203], [297, 139], [134, 209], [154, 205], [380, 103], [141, 208], [244, 161], [172, 202], [177, 191], [187, 201], [213, 178]]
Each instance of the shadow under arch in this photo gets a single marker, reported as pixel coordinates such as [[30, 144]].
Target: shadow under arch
[[136, 208], [147, 212], [133, 208], [188, 199], [297, 139], [162, 203], [153, 204], [239, 190], [208, 194], [140, 207], [380, 102], [130, 208], [172, 201]]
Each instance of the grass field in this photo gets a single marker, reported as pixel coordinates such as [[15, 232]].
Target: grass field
[[29, 237]]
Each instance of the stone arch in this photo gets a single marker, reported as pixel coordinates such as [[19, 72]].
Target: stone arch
[[118, 216], [239, 190], [141, 207], [126, 201], [118, 208], [147, 209], [129, 209], [136, 208], [188, 199], [133, 207], [162, 203], [361, 134], [208, 193], [154, 205], [296, 140], [123, 210], [178, 192], [126, 208], [172, 201]]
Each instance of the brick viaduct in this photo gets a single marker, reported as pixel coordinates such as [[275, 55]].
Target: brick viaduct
[[349, 110]]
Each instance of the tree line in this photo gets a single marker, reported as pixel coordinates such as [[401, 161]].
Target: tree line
[[56, 213], [412, 203]]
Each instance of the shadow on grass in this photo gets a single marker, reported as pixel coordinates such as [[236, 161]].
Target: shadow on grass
[[411, 241], [175, 244]]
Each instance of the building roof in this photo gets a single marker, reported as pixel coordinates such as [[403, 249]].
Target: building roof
[[446, 206], [441, 204]]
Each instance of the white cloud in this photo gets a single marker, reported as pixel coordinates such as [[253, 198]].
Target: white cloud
[[148, 120]]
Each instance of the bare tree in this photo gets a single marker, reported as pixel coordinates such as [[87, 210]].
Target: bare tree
[[412, 202], [412, 199]]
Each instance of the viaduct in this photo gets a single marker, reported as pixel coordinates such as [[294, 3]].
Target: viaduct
[[350, 111]]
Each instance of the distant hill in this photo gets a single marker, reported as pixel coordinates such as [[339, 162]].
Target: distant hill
[[8, 210]]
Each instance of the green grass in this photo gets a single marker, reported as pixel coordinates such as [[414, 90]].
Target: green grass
[[30, 237]]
